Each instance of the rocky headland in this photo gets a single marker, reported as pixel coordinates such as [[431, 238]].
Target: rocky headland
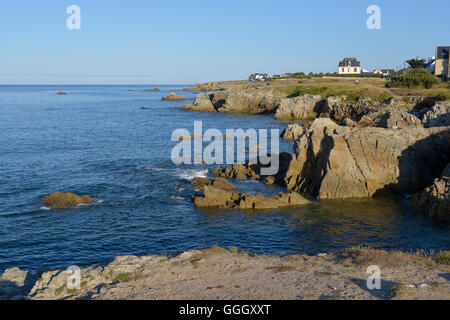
[[345, 146]]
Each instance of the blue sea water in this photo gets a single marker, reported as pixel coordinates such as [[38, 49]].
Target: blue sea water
[[96, 140]]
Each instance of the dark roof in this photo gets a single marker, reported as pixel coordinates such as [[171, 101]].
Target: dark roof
[[442, 52], [387, 70], [355, 63]]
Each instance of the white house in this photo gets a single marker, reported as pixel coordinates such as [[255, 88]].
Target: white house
[[258, 77], [349, 66]]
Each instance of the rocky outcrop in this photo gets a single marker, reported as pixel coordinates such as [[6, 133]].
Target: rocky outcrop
[[219, 198], [173, 97], [221, 183], [237, 171], [203, 102], [15, 284], [253, 171], [251, 101], [389, 118], [237, 101], [437, 116], [339, 108], [336, 162], [292, 132], [61, 200], [155, 89], [298, 108], [434, 201]]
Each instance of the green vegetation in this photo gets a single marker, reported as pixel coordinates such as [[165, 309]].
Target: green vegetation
[[416, 63], [443, 95], [414, 78], [443, 257], [282, 268], [123, 277]]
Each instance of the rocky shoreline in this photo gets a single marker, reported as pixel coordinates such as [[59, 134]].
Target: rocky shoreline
[[217, 273], [344, 147]]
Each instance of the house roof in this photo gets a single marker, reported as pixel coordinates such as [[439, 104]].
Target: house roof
[[442, 52], [354, 62]]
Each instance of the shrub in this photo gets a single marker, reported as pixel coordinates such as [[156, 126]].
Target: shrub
[[413, 78], [443, 95]]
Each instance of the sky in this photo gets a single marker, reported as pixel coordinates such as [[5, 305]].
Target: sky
[[184, 42]]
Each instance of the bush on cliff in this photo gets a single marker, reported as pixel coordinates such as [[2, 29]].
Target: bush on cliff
[[413, 78]]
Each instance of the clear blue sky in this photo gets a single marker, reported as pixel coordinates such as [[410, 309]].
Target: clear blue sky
[[133, 42]]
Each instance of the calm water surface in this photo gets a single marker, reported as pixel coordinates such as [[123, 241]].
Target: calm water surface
[[96, 140]]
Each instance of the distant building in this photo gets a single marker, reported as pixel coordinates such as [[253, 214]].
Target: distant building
[[384, 72], [349, 66], [287, 75], [258, 77], [442, 62]]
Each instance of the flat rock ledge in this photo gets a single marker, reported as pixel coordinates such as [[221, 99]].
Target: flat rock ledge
[[231, 274], [218, 198]]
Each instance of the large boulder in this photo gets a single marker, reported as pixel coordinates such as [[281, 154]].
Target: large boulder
[[337, 162], [219, 198], [434, 201], [61, 200], [298, 108], [292, 132]]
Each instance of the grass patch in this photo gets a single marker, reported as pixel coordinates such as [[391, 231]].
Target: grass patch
[[443, 257], [399, 290], [217, 287], [281, 268], [123, 277]]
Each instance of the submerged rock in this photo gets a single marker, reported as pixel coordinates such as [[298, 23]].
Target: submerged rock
[[219, 198], [434, 201], [173, 96], [336, 162], [61, 93], [61, 200]]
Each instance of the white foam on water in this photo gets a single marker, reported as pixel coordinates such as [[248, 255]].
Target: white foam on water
[[191, 174], [177, 198], [45, 208]]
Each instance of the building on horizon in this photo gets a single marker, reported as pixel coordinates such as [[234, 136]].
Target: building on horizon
[[349, 66], [258, 77], [442, 62], [384, 72]]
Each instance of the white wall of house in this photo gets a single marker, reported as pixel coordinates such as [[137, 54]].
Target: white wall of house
[[349, 70]]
